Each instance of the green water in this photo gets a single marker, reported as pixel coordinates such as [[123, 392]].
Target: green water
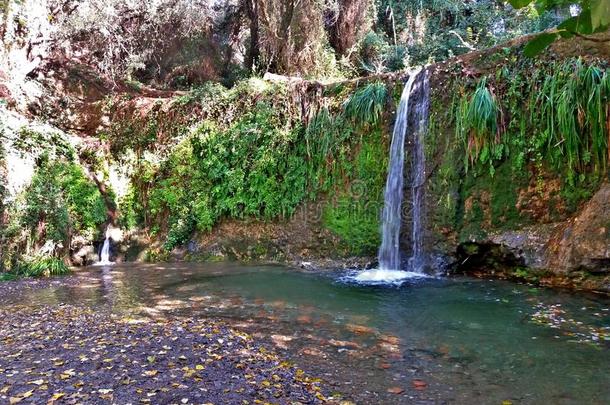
[[471, 341]]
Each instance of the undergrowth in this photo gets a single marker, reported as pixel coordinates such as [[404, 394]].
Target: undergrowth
[[41, 267], [558, 114], [264, 163]]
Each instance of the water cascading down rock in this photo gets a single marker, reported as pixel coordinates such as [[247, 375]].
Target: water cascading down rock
[[105, 253], [412, 111]]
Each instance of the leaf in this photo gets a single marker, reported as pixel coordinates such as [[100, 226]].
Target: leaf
[[580, 24], [199, 367], [600, 13], [520, 3], [19, 398], [151, 373], [67, 374], [37, 382], [58, 395], [538, 44]]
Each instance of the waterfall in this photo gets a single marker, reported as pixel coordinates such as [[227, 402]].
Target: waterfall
[[389, 252], [105, 253], [417, 261], [416, 93]]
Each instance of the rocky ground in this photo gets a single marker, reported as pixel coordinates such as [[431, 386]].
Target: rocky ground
[[74, 355]]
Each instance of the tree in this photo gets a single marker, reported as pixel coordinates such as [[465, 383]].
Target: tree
[[591, 16], [346, 22]]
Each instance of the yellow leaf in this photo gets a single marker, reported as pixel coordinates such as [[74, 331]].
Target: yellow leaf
[[151, 373], [37, 382], [58, 395], [199, 367]]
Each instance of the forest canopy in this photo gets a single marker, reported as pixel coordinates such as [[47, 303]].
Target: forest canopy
[[178, 43]]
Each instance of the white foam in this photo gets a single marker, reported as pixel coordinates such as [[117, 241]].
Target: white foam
[[378, 276]]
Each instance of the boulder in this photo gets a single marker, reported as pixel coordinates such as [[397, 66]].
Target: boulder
[[583, 243]]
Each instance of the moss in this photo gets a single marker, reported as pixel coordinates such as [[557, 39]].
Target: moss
[[472, 223], [574, 195], [354, 215]]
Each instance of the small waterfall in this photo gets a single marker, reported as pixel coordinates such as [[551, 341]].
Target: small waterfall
[[416, 92], [105, 253], [389, 252]]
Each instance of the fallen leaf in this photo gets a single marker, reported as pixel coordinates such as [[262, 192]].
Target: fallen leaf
[[419, 384]]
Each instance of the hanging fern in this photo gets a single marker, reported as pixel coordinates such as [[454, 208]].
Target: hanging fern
[[564, 119], [366, 105], [478, 125]]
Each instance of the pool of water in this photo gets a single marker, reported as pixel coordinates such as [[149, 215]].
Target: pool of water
[[456, 340]]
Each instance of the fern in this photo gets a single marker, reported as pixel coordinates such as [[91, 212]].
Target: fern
[[366, 105], [42, 267], [564, 119], [478, 125]]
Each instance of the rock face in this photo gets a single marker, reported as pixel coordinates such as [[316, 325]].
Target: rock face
[[583, 243], [574, 253]]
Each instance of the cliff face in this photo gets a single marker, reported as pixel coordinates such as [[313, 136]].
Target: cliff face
[[515, 201], [303, 181]]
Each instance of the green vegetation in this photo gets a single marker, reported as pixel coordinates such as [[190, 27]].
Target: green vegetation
[[593, 17], [265, 163], [477, 126], [367, 104], [531, 145], [65, 200], [41, 267], [432, 30], [559, 115], [60, 203], [354, 215]]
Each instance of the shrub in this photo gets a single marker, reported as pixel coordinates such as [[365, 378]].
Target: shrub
[[42, 267], [64, 200]]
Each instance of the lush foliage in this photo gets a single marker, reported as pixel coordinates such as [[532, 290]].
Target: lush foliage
[[588, 17], [264, 164], [41, 267], [558, 112], [63, 199], [433, 30], [179, 43], [531, 145], [60, 203]]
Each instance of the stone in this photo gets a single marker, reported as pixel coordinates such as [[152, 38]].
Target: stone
[[584, 241]]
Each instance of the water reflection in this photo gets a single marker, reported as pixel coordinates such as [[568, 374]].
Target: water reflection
[[458, 340]]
